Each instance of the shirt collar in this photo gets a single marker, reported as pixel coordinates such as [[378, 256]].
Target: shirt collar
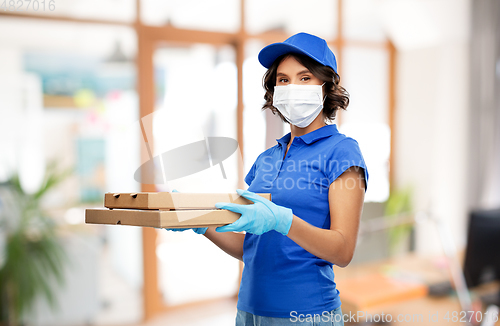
[[313, 136]]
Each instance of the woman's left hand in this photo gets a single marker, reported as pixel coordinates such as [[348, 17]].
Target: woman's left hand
[[258, 218]]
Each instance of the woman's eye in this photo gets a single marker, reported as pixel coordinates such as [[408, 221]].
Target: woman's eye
[[305, 78], [282, 80]]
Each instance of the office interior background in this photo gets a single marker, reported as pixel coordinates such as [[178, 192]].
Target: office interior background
[[79, 79]]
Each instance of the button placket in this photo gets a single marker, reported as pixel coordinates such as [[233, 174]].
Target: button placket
[[292, 147], [280, 163], [291, 151]]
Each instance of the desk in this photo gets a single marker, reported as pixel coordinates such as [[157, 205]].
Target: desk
[[416, 309]]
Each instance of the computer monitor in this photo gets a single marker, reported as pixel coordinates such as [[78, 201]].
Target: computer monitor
[[482, 256]]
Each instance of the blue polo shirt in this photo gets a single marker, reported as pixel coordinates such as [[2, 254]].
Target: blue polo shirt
[[280, 276]]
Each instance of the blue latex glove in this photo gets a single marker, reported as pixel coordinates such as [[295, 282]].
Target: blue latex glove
[[196, 230], [258, 218]]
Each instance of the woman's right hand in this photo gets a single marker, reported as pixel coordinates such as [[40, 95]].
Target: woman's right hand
[[196, 230]]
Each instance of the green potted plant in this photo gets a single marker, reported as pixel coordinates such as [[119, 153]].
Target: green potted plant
[[33, 255], [398, 206]]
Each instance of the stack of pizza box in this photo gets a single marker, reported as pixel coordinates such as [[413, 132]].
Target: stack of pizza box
[[166, 210]]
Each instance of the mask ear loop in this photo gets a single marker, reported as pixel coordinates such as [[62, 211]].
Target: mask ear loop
[[324, 98]]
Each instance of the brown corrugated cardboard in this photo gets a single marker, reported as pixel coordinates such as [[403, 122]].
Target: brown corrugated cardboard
[[176, 200], [160, 218]]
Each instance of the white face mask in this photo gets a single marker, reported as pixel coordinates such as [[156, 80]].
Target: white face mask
[[299, 104]]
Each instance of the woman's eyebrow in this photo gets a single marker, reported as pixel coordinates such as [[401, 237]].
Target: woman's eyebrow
[[305, 71]]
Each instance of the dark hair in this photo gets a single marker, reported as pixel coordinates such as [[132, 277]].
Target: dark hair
[[336, 96]]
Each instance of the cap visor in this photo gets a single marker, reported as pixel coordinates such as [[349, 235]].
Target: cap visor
[[273, 51]]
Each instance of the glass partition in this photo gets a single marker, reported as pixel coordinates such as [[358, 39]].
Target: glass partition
[[361, 21], [224, 14], [196, 98], [317, 17], [365, 76]]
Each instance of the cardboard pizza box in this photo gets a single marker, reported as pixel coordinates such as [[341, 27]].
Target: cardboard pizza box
[[175, 200], [161, 218]]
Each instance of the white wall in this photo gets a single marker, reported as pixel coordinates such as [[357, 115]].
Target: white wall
[[431, 118]]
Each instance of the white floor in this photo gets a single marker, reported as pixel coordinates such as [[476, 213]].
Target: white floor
[[220, 313], [121, 305]]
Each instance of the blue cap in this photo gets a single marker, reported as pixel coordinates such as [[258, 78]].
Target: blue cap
[[302, 43]]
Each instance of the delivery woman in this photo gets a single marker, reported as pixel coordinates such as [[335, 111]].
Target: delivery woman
[[317, 178]]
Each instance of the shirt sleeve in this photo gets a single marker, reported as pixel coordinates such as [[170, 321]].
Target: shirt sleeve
[[251, 174], [346, 154]]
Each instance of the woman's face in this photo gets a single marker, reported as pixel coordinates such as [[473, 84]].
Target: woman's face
[[290, 71]]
